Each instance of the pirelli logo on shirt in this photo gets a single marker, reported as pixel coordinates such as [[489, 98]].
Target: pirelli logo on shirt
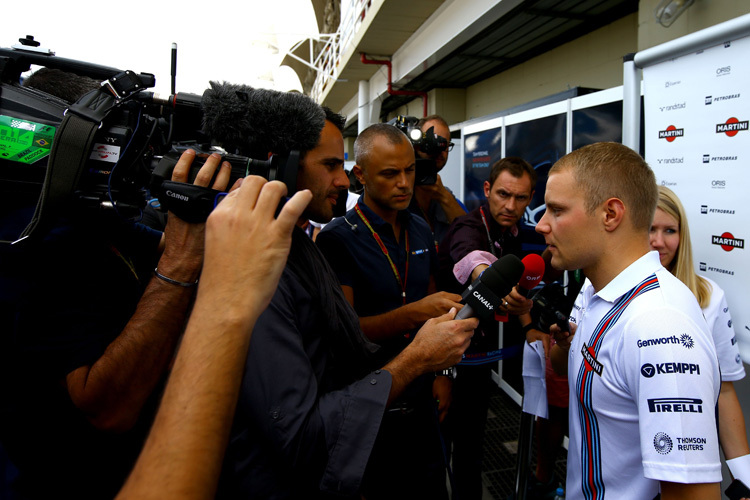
[[675, 405]]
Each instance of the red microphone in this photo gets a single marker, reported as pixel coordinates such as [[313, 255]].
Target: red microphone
[[532, 275]]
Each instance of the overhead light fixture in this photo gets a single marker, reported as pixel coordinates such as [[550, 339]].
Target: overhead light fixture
[[669, 10]]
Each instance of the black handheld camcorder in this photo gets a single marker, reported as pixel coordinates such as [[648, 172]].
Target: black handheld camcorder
[[426, 142], [115, 148]]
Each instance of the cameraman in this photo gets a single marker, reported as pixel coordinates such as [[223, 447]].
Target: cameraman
[[436, 203], [92, 313]]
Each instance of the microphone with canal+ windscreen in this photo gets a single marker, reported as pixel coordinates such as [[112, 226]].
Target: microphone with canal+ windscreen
[[483, 296]]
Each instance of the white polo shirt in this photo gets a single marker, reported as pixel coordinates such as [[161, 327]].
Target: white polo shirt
[[720, 325], [644, 382]]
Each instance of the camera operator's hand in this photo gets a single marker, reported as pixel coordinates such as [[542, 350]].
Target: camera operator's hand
[[439, 193], [183, 242]]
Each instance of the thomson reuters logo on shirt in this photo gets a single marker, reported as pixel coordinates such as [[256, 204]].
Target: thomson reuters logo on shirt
[[731, 127], [728, 242], [671, 133]]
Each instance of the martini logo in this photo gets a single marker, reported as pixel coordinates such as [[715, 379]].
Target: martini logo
[[731, 127], [671, 133], [590, 361], [728, 242]]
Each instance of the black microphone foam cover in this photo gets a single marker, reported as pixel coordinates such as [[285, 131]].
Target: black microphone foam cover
[[502, 276], [255, 122]]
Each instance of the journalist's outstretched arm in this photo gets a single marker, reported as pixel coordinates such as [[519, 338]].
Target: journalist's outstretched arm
[[112, 391], [246, 249]]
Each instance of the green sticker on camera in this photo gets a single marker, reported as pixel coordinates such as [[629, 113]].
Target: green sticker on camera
[[24, 141]]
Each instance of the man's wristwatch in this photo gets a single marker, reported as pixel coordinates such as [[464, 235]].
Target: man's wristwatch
[[448, 372]]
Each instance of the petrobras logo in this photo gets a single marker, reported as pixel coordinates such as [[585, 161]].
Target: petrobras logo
[[720, 211], [710, 99], [589, 359], [684, 339], [671, 161], [704, 267], [662, 443], [707, 158], [648, 370], [724, 71], [675, 405], [718, 184], [671, 133], [728, 242], [673, 107], [731, 127]]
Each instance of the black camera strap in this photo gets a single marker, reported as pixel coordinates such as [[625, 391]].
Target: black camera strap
[[70, 151]]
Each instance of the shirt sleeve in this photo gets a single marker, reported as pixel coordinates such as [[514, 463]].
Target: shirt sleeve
[[466, 239], [324, 436], [669, 366], [720, 323]]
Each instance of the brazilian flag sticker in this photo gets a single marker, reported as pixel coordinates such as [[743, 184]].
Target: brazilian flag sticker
[[24, 141]]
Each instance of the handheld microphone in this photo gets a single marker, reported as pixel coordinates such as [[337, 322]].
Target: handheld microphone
[[482, 297], [532, 275]]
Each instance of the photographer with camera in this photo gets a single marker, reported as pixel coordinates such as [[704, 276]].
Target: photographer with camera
[[92, 311], [313, 395], [385, 259], [436, 203], [472, 243]]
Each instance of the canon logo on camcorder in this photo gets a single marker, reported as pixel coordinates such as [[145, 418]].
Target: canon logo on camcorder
[[671, 133], [728, 242], [176, 196]]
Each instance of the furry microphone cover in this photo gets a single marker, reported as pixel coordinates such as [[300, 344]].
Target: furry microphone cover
[[254, 122]]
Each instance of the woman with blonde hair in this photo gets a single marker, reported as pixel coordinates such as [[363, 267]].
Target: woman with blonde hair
[[670, 236]]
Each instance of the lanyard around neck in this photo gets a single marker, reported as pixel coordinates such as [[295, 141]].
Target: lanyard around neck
[[487, 228], [401, 284]]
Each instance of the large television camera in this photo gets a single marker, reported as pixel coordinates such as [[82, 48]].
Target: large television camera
[[426, 142], [114, 148]]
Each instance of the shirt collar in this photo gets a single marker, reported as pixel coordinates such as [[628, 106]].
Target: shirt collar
[[377, 221], [645, 266]]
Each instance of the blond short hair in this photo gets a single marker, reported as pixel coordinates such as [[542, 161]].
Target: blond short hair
[[610, 170]]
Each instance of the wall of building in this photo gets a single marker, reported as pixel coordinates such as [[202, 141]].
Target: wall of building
[[594, 60]]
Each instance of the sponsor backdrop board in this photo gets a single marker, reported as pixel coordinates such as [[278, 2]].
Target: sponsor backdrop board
[[697, 109]]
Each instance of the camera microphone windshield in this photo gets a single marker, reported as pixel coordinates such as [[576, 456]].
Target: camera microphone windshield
[[254, 122]]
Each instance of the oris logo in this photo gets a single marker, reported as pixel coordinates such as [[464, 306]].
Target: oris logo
[[731, 127], [724, 71], [671, 133], [718, 184], [728, 242]]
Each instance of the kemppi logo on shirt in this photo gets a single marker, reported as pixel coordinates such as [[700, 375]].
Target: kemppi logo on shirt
[[648, 370]]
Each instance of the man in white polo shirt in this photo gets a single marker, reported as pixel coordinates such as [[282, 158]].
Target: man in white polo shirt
[[641, 365]]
